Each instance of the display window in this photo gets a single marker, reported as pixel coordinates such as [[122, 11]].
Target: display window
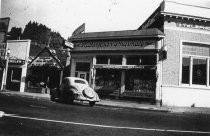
[[195, 58], [199, 71], [140, 83], [107, 81]]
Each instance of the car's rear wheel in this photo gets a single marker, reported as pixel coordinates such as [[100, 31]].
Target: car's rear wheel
[[92, 103], [68, 98], [52, 97]]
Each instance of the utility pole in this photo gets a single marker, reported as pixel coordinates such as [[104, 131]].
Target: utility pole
[[6, 69]]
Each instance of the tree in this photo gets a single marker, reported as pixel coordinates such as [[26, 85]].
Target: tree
[[44, 36], [15, 33]]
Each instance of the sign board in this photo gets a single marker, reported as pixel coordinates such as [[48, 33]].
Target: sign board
[[69, 44], [162, 55], [17, 61], [19, 50], [124, 67], [114, 45]]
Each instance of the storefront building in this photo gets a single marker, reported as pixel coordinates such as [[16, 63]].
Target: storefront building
[[17, 64], [119, 63], [186, 71]]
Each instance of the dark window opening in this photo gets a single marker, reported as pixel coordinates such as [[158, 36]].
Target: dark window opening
[[101, 60], [81, 66], [199, 71], [133, 60], [185, 70], [142, 60], [116, 60]]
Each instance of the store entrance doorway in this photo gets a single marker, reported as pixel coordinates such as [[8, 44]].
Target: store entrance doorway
[[82, 75]]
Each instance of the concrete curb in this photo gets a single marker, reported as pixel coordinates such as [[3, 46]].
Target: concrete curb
[[135, 106], [107, 103], [29, 95]]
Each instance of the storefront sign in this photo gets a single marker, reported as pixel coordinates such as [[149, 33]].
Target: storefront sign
[[125, 67], [193, 26], [17, 61], [113, 45], [119, 66]]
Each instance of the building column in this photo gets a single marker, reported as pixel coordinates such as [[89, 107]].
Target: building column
[[93, 72], [23, 78], [122, 87], [159, 75], [158, 90]]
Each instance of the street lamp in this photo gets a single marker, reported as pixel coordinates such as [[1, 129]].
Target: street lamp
[[6, 69]]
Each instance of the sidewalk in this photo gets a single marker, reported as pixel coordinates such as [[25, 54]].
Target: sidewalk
[[123, 104]]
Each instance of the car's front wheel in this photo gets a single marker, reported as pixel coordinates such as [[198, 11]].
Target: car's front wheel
[[92, 103]]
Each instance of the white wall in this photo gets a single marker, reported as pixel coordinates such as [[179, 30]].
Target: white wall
[[183, 96]]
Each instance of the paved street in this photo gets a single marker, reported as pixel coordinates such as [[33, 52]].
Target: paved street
[[25, 116]]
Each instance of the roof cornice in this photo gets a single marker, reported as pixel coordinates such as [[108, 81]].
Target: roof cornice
[[185, 16]]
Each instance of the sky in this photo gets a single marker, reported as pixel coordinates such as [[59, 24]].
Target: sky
[[64, 16]]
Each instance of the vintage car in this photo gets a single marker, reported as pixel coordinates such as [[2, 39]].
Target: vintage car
[[73, 88]]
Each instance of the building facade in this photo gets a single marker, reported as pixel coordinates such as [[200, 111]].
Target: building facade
[[186, 71], [174, 69], [17, 64], [119, 63]]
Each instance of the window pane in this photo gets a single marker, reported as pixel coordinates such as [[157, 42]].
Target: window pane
[[185, 70], [116, 60], [196, 49], [148, 59], [101, 60], [199, 72], [133, 60]]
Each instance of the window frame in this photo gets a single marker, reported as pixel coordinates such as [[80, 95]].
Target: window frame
[[207, 85]]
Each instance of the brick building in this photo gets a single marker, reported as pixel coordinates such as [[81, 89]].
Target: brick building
[[186, 71]]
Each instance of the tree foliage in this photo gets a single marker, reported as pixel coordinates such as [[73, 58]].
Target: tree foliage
[[15, 33], [41, 35]]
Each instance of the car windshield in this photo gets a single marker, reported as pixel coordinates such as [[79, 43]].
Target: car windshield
[[79, 81]]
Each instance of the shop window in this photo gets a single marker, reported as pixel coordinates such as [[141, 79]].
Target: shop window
[[102, 60], [133, 60], [199, 71], [185, 70], [148, 59], [107, 81], [117, 60], [194, 63], [140, 83]]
